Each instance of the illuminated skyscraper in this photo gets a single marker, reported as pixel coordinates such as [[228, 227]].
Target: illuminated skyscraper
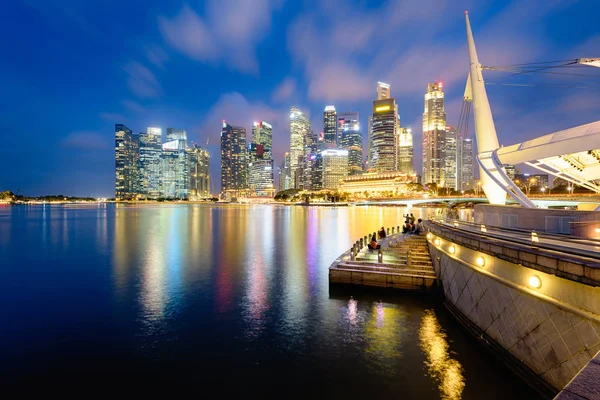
[[233, 159], [330, 134], [262, 133], [126, 163], [385, 125], [260, 161], [369, 143], [179, 135], [383, 91], [199, 169], [285, 178], [434, 136], [451, 160], [150, 162], [405, 151], [299, 131], [351, 140], [464, 168], [335, 167]]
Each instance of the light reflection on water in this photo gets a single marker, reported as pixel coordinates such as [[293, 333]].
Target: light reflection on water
[[207, 293], [446, 370]]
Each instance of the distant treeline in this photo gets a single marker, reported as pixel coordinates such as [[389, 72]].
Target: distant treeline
[[8, 195]]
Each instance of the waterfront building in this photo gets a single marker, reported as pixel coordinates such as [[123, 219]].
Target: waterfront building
[[434, 136], [312, 177], [150, 162], [126, 163], [351, 140], [177, 135], [383, 91], [300, 133], [335, 167], [384, 130], [510, 171], [532, 180], [369, 143], [260, 170], [451, 162], [330, 134], [465, 168], [262, 133], [406, 159], [285, 177], [199, 169], [233, 159], [175, 172], [378, 184]]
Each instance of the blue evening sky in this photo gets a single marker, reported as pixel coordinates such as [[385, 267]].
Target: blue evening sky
[[70, 70]]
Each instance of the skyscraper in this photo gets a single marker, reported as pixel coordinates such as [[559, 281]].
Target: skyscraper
[[285, 178], [383, 91], [178, 135], [233, 158], [199, 169], [126, 163], [464, 168], [150, 162], [330, 134], [451, 158], [406, 151], [262, 133], [335, 167], [299, 132], [434, 136], [385, 125], [369, 142], [260, 161], [351, 140]]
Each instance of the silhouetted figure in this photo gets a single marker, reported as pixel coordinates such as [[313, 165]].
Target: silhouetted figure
[[373, 245]]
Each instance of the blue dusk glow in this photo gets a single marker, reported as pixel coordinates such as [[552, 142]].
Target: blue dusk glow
[[73, 69]]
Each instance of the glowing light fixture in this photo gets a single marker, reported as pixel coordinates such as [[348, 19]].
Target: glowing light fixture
[[437, 242], [452, 249], [535, 281], [456, 224], [480, 261], [382, 108], [597, 230], [429, 235], [483, 228]]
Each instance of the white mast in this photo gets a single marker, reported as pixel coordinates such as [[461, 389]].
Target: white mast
[[485, 130]]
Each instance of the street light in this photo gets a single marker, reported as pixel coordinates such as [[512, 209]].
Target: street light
[[543, 190], [570, 189]]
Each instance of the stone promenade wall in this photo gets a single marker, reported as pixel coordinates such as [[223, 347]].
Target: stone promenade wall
[[552, 331]]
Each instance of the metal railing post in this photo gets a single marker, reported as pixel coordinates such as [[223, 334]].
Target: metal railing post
[[352, 257], [380, 256]]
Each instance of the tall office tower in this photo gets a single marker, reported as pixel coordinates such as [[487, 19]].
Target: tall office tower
[[233, 158], [385, 124], [178, 135], [175, 171], [406, 159], [199, 169], [335, 167], [434, 136], [464, 168], [351, 140], [311, 178], [299, 130], [330, 134], [285, 177], [383, 91], [369, 143], [451, 159], [126, 163], [510, 170], [262, 133], [260, 170], [150, 162]]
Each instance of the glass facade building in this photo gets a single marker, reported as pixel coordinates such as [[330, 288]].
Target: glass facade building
[[300, 133], [351, 140], [406, 157], [234, 174], [385, 125], [464, 169], [199, 168], [451, 158], [434, 136], [330, 134], [150, 162], [126, 163], [335, 167]]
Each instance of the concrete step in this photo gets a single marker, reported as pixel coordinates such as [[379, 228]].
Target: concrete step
[[381, 269], [392, 265]]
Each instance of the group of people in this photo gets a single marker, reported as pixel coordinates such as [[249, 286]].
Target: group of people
[[410, 226]]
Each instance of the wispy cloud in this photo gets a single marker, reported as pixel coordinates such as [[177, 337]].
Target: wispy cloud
[[141, 80], [86, 140], [112, 117], [284, 91], [133, 106], [156, 55], [220, 37]]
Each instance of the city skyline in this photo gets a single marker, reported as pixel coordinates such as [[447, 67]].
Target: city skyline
[[150, 75]]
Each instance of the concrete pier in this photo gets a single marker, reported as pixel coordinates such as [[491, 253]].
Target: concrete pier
[[403, 262]]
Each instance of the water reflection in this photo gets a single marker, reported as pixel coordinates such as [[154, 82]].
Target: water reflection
[[447, 371]]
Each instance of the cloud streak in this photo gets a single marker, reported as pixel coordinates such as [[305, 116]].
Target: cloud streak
[[141, 81]]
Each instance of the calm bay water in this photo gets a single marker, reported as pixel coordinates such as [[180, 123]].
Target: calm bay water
[[231, 300]]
